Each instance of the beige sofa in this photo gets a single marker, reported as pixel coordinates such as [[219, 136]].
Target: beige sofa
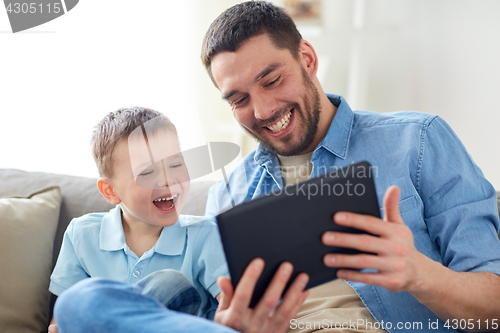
[[35, 209]]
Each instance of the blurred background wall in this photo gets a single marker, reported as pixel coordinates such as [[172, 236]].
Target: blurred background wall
[[59, 79]]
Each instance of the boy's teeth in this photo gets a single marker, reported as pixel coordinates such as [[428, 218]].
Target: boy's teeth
[[165, 199], [162, 203], [282, 124]]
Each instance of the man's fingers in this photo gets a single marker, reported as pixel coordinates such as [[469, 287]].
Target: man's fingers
[[358, 261], [273, 292], [390, 282], [370, 224], [226, 292], [294, 294], [391, 206], [290, 305], [53, 328], [244, 290], [361, 242], [285, 326]]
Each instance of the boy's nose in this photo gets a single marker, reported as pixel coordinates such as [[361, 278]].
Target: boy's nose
[[164, 179], [162, 182]]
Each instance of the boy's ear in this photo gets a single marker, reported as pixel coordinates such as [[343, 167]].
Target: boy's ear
[[308, 58], [107, 192]]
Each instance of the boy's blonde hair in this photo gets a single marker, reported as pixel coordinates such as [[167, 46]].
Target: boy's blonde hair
[[118, 125]]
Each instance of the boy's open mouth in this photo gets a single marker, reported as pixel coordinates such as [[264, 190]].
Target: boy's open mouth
[[166, 203]]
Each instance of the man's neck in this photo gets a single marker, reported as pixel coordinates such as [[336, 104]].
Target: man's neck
[[328, 111], [295, 169]]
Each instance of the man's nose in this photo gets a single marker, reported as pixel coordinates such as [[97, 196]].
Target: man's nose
[[264, 106]]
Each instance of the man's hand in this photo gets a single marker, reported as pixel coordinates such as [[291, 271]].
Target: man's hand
[[234, 311], [473, 296], [53, 328], [399, 264]]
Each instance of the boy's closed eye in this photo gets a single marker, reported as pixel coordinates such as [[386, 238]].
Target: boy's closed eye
[[176, 165], [147, 172]]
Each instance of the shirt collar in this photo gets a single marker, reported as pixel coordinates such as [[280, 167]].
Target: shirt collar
[[336, 139], [262, 155], [172, 240], [112, 238]]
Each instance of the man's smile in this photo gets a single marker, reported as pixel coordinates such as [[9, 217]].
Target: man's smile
[[281, 124]]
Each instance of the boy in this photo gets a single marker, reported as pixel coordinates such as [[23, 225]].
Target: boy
[[137, 153]]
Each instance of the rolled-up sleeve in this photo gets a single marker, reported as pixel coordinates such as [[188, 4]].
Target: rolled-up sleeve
[[460, 204]]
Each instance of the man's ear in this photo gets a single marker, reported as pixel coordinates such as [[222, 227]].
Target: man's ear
[[107, 192], [308, 58]]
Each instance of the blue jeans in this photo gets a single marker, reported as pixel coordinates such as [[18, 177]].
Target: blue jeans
[[152, 305], [172, 289]]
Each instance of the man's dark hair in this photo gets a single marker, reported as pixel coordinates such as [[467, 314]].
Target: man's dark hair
[[246, 20]]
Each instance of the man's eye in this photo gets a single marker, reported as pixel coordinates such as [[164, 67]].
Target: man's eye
[[273, 82], [240, 101]]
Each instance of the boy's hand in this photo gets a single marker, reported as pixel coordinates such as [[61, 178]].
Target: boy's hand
[[234, 311], [53, 328]]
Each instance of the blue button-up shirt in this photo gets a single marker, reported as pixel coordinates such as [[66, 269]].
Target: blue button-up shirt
[[94, 246], [445, 200]]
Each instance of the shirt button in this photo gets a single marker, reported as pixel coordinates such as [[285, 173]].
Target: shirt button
[[136, 274]]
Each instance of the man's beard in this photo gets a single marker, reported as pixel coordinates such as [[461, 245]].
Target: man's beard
[[308, 128]]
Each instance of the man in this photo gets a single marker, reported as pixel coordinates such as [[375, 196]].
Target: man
[[436, 257]]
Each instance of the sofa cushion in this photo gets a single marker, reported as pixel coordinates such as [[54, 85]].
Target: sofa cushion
[[79, 195], [28, 227]]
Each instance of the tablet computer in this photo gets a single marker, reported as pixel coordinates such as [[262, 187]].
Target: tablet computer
[[287, 225]]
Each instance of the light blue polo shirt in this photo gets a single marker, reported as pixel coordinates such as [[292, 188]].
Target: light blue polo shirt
[[94, 246]]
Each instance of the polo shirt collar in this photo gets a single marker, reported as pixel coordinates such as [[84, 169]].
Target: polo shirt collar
[[336, 140], [172, 240], [112, 238]]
